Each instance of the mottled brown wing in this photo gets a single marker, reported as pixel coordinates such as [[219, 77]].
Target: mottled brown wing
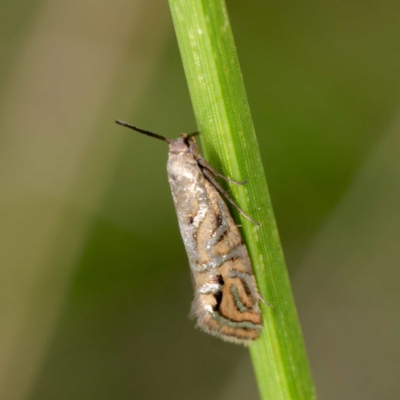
[[226, 300]]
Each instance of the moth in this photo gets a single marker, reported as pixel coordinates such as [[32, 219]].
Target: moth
[[226, 298]]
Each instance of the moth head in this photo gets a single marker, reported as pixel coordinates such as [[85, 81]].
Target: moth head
[[178, 145], [184, 144]]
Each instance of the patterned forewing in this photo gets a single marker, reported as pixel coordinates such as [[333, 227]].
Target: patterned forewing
[[225, 269], [226, 301]]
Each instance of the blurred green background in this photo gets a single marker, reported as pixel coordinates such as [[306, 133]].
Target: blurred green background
[[94, 281]]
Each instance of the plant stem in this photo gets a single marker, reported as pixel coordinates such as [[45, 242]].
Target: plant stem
[[229, 143]]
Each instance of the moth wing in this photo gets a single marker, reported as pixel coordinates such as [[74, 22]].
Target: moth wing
[[226, 300]]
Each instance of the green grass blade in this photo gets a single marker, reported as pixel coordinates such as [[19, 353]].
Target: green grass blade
[[229, 143]]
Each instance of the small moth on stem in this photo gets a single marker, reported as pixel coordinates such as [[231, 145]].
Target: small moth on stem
[[226, 298]]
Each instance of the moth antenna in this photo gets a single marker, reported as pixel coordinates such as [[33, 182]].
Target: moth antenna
[[144, 131], [197, 133]]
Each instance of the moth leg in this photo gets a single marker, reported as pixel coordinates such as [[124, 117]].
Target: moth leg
[[203, 163], [212, 180]]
